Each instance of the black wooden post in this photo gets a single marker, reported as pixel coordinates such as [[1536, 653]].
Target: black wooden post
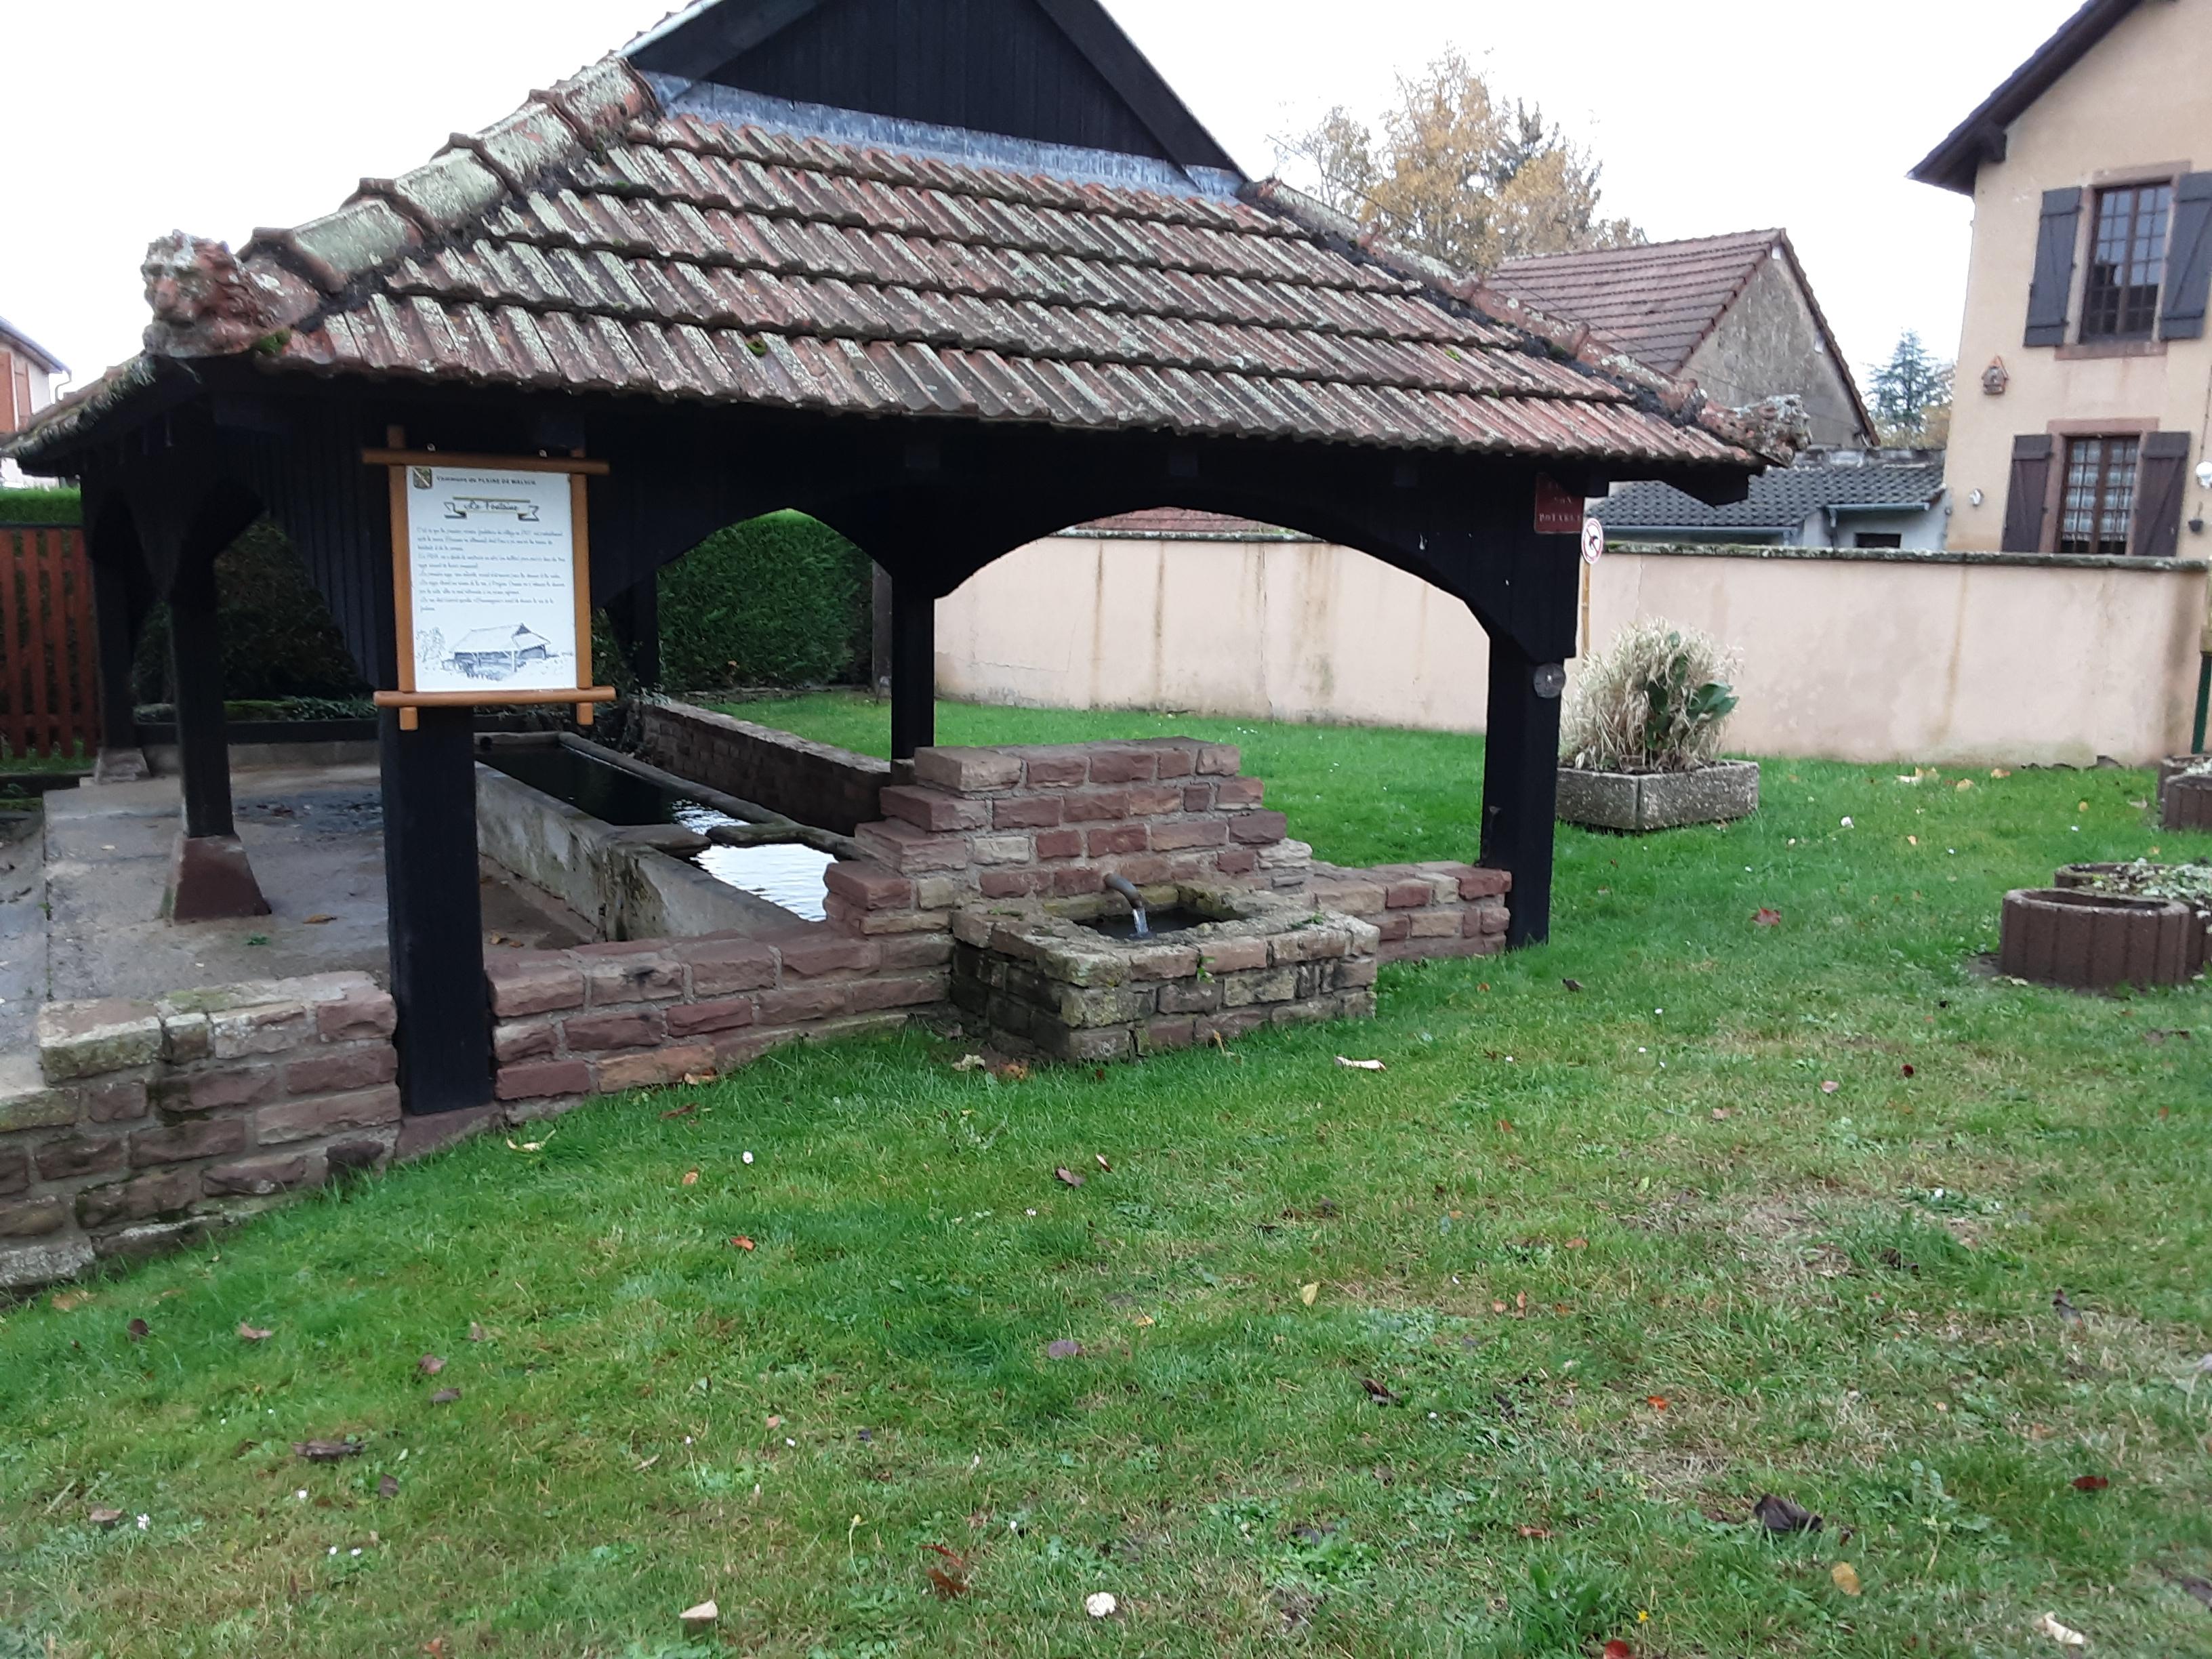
[[115, 631], [434, 910], [1520, 782], [636, 614], [195, 666], [914, 669], [879, 631]]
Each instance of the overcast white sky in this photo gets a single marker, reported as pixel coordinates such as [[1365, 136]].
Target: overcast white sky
[[1708, 115]]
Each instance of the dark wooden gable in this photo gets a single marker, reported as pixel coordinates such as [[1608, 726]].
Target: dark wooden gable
[[1053, 72]]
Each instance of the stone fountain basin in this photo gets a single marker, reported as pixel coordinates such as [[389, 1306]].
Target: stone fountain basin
[[1045, 979]]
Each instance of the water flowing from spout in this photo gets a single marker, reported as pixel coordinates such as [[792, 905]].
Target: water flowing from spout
[[1128, 890]]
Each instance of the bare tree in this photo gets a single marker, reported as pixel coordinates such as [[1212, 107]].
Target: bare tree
[[1457, 172]]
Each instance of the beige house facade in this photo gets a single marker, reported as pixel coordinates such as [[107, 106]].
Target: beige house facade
[[2085, 369]]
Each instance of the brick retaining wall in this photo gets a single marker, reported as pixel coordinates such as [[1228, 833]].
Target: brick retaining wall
[[152, 1122], [1422, 910], [815, 783]]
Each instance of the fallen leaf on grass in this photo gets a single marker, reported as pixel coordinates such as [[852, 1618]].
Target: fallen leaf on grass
[[645, 1463], [699, 1079], [388, 1486], [1830, 1087], [743, 1243], [253, 1333], [445, 1396], [1617, 1649], [1012, 1072], [690, 1177], [1063, 1349], [1538, 1533], [318, 920], [1766, 918], [1846, 1577], [1657, 1401], [1999, 772], [2065, 1636], [326, 1451], [699, 1618], [1520, 1305], [1909, 1070], [950, 1579], [1067, 1177], [137, 1330], [969, 1063], [1103, 1163], [530, 1145], [1308, 1292], [1721, 1114], [1379, 1392], [70, 1301], [1783, 1515], [104, 1517], [682, 1111], [1579, 1243], [1144, 1321], [2064, 1306], [477, 1332], [430, 1365], [2091, 1482], [1572, 984], [1361, 1065]]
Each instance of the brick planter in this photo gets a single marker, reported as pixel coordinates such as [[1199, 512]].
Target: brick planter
[[1044, 982], [2185, 803], [2093, 941], [1636, 802], [2075, 877]]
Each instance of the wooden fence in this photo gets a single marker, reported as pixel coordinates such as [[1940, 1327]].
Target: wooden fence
[[49, 651]]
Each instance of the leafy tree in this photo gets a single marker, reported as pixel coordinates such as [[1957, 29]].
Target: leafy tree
[[1457, 172], [1913, 394]]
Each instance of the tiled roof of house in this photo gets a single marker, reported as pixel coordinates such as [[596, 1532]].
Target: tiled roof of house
[[1782, 498], [1657, 302], [12, 337], [594, 242], [1953, 164]]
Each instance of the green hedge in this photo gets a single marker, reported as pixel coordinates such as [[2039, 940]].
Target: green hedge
[[41, 506], [778, 600]]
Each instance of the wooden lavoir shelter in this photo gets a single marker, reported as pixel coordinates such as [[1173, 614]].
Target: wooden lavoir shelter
[[948, 275]]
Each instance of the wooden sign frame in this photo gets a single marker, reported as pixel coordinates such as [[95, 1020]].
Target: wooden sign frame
[[398, 458]]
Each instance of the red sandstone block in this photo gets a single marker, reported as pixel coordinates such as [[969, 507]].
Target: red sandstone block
[[596, 1033], [1075, 881], [648, 975], [1146, 870], [884, 926], [1219, 760], [1407, 895], [933, 810], [1026, 812], [1055, 766], [344, 1072], [38, 1216], [822, 951], [913, 991], [1013, 883], [968, 771], [113, 1102], [911, 851], [1123, 763], [83, 1155], [1394, 927], [1259, 828], [165, 1192], [1158, 1035], [514, 1040], [1493, 920], [176, 1143], [543, 1081], [652, 1069], [700, 1019], [1195, 832], [735, 1048], [1237, 794], [867, 885], [1237, 861], [725, 963], [1231, 1023], [1002, 849], [1198, 797], [1155, 800], [1436, 922], [1232, 956], [1178, 757], [15, 1171], [1354, 972], [914, 950], [302, 1120], [1478, 884], [803, 1002], [1094, 805], [1114, 840], [540, 982], [1164, 962], [216, 1091], [257, 1177], [357, 1014], [1058, 844]]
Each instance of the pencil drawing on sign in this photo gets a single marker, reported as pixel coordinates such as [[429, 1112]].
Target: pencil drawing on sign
[[491, 577]]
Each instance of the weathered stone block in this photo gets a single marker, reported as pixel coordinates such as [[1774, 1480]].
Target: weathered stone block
[[1231, 955], [85, 1039], [1190, 996], [1255, 829], [1123, 763], [968, 771], [1075, 881], [1104, 1005], [702, 1018], [342, 1071], [189, 1139], [186, 1037], [165, 1192], [1354, 972], [653, 1069], [1260, 985], [1053, 844], [1307, 944], [1239, 795], [933, 810], [83, 1155], [1219, 760], [643, 976], [33, 1218], [1055, 766], [868, 885], [514, 1041], [803, 1002], [597, 1033], [910, 850], [1237, 861], [1191, 833], [1094, 805], [722, 965], [259, 1177], [304, 1120], [1026, 812], [15, 1170], [1013, 883], [266, 1028], [544, 1080], [27, 1267], [1158, 1037], [822, 951], [917, 950], [1636, 802], [38, 1108], [909, 991], [1114, 840], [356, 1016], [1090, 1046], [118, 1100], [1437, 923], [534, 984], [227, 1090], [1164, 962]]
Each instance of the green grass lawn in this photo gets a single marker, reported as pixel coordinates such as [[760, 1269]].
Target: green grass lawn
[[1759, 1209]]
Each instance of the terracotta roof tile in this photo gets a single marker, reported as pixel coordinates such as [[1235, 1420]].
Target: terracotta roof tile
[[1657, 301]]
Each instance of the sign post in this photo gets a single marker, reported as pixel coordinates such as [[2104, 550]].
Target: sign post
[[491, 581]]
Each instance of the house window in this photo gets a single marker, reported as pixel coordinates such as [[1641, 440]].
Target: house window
[[2097, 512], [2127, 263], [1878, 538]]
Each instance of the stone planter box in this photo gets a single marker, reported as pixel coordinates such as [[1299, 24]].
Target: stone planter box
[[2093, 941], [2079, 875], [1043, 981], [1634, 802], [2183, 803]]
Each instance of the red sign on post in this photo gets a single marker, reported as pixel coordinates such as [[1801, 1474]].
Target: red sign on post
[[1558, 514]]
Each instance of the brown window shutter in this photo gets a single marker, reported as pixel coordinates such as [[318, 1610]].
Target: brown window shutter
[[2189, 260], [2159, 487], [2052, 289], [2025, 496]]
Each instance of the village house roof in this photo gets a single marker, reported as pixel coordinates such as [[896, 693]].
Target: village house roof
[[1953, 164], [23, 344], [707, 249], [1781, 499]]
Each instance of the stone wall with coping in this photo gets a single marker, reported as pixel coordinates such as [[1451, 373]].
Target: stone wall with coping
[[1421, 910], [151, 1123], [815, 783]]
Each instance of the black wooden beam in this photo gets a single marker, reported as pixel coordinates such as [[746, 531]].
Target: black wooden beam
[[195, 666], [634, 614], [436, 911], [914, 668], [1521, 781]]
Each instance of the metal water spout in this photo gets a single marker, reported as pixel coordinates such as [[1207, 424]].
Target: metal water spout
[[1128, 890]]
